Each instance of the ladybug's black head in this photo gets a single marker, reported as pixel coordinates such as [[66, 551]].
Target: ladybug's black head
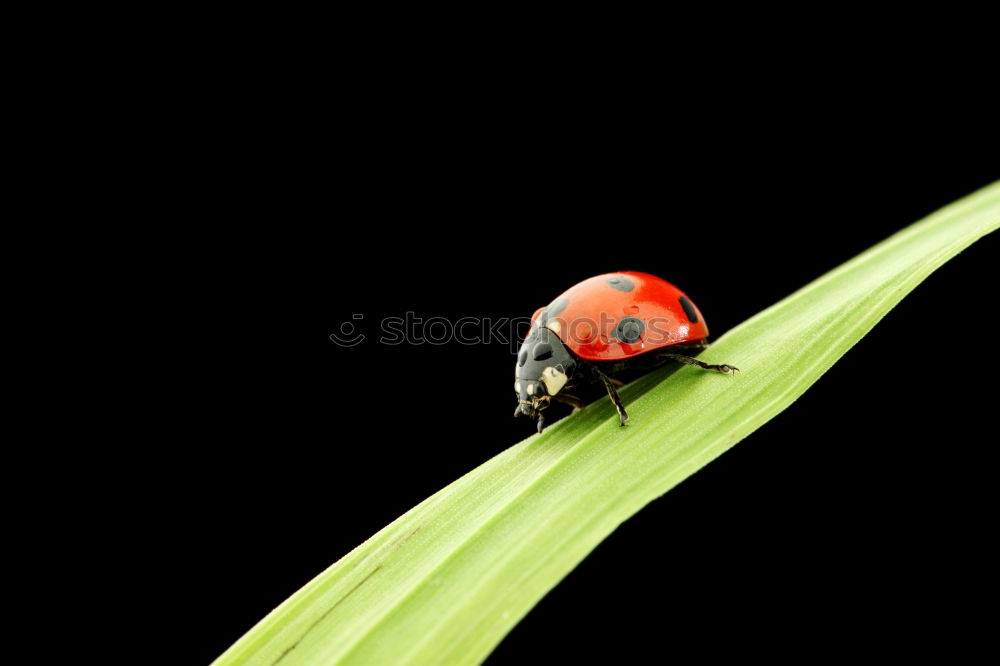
[[544, 367]]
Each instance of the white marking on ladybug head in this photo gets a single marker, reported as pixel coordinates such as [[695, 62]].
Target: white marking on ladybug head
[[554, 379], [517, 387], [554, 326], [531, 389]]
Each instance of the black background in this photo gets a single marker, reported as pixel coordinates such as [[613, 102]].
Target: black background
[[867, 500]]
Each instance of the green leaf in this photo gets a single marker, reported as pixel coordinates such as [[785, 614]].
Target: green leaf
[[445, 582]]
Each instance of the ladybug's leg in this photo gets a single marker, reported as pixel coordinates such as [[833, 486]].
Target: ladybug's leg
[[613, 394], [541, 421], [687, 360], [568, 399]]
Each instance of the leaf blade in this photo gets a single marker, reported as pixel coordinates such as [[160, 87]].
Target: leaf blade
[[446, 581]]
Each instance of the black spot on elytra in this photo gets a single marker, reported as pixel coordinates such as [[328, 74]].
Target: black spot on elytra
[[621, 283], [629, 329], [689, 310]]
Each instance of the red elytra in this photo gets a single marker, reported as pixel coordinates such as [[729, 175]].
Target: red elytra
[[618, 315]]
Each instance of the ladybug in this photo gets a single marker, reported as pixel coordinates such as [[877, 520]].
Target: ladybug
[[601, 329]]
